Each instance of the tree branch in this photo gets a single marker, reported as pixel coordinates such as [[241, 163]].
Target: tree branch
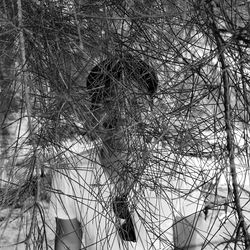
[[25, 83], [229, 127]]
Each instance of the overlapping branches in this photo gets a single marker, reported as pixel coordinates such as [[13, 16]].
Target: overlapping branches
[[199, 115]]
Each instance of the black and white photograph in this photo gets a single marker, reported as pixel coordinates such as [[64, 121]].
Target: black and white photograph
[[124, 125]]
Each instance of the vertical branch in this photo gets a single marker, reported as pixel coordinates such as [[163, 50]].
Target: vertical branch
[[25, 81], [78, 24], [23, 66], [24, 76], [229, 126]]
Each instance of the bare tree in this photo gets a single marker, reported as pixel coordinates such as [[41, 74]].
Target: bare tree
[[198, 129]]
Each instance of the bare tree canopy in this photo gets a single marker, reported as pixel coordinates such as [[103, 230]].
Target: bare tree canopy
[[172, 75]]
